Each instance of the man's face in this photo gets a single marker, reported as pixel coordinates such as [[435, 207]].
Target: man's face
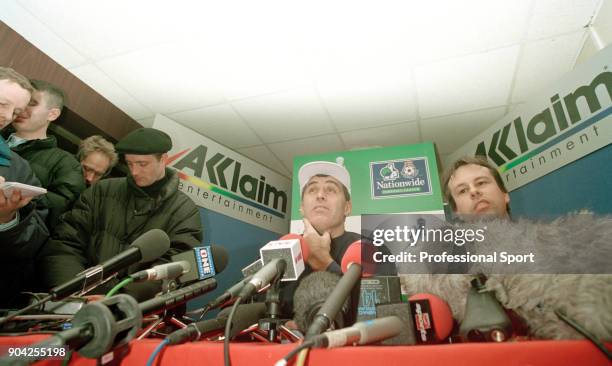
[[37, 114], [13, 100], [146, 169], [94, 166], [324, 204], [476, 192]]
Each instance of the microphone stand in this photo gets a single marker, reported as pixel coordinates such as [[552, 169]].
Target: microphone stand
[[168, 317], [272, 328]]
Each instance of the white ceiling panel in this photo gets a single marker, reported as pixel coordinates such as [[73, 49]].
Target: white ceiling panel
[[102, 29], [282, 116], [318, 75], [367, 94], [220, 123], [536, 71], [401, 134], [552, 18], [440, 33], [147, 121], [287, 150], [107, 87], [262, 155], [451, 132], [37, 33], [466, 83], [167, 78]]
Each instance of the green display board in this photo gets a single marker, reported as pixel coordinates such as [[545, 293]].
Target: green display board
[[396, 179]]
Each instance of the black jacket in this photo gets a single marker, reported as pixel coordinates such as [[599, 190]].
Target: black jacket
[[21, 243], [58, 171], [107, 218]]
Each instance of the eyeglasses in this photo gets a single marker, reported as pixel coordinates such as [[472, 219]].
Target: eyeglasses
[[90, 170]]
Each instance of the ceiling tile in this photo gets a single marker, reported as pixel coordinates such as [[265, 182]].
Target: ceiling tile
[[33, 30], [368, 95], [101, 83], [165, 82], [466, 83], [551, 18], [147, 121], [440, 33], [401, 134], [451, 132], [282, 116], [286, 151], [536, 72], [262, 155], [220, 123], [112, 27]]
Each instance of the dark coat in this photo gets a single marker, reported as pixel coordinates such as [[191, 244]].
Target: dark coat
[[107, 218], [19, 244], [58, 171]]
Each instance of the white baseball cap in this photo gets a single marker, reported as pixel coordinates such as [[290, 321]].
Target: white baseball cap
[[336, 170]]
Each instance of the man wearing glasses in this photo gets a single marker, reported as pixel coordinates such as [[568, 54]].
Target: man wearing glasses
[[97, 157]]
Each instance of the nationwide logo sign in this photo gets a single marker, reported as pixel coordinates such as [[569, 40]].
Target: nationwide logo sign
[[566, 123], [400, 178], [224, 181]]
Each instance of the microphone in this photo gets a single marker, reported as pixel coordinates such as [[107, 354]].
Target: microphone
[[310, 295], [292, 249], [351, 266], [246, 314], [177, 297], [208, 261], [303, 245], [229, 294], [433, 318], [162, 272], [146, 248], [269, 273], [365, 332], [97, 328]]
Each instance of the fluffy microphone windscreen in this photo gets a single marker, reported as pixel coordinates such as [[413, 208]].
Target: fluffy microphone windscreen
[[304, 246], [312, 292], [152, 244]]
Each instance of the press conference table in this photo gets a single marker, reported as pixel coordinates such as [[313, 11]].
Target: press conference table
[[253, 354]]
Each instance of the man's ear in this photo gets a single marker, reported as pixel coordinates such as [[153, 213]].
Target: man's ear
[[301, 210], [53, 114], [164, 158], [348, 207]]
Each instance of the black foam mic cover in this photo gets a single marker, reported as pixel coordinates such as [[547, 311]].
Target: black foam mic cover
[[310, 295]]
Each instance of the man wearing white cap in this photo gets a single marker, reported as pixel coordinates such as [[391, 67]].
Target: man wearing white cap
[[325, 204]]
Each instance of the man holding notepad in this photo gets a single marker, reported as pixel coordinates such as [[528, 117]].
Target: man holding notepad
[[22, 223]]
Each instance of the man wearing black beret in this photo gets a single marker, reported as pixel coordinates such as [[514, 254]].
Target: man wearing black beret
[[114, 212]]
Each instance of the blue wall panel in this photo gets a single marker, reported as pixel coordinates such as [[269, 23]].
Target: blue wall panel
[[583, 184], [242, 242]]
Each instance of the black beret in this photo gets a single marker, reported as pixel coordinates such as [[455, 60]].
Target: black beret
[[144, 141]]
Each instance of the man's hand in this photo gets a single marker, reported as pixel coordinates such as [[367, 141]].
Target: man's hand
[[319, 245], [9, 206]]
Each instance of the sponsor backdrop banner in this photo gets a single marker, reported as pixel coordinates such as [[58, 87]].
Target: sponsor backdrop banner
[[222, 180], [397, 179], [567, 121]]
